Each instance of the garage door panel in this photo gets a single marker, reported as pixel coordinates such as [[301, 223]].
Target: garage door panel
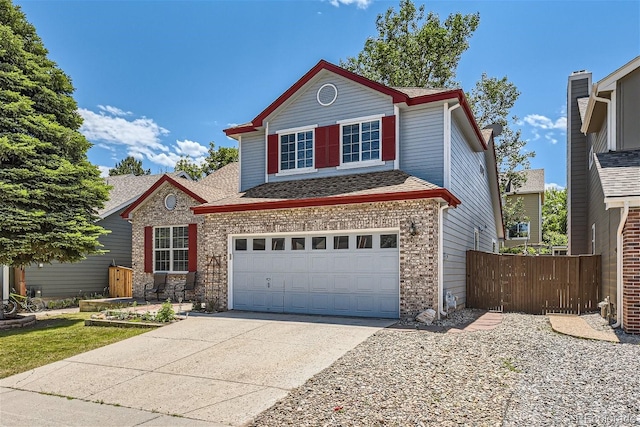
[[318, 263], [297, 263], [388, 305], [320, 282], [388, 283], [386, 262], [298, 282], [342, 263], [364, 262], [341, 303], [366, 283], [365, 304], [319, 302], [341, 283]]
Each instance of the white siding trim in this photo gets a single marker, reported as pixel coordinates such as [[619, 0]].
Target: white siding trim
[[396, 162], [612, 132], [230, 272], [239, 163], [360, 119], [296, 129], [296, 171]]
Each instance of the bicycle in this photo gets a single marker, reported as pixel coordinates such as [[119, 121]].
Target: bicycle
[[26, 302]]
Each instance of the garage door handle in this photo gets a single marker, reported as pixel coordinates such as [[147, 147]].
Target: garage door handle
[[268, 282]]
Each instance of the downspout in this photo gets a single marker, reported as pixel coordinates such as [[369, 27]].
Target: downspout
[[623, 221], [441, 311], [447, 143]]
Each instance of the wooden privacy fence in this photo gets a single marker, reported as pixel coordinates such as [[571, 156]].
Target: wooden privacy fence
[[533, 284]]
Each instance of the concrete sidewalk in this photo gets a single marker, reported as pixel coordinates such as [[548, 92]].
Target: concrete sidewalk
[[222, 369]]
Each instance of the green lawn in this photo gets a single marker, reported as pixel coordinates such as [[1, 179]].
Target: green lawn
[[53, 339]]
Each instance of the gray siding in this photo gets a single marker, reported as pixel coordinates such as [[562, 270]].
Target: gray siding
[[628, 94], [473, 189], [422, 143], [577, 164], [90, 275], [531, 205], [606, 221], [253, 162], [353, 101]]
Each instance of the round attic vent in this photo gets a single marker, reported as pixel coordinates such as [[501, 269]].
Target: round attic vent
[[327, 94], [170, 202]]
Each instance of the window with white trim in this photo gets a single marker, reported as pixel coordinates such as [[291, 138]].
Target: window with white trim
[[476, 239], [296, 150], [593, 238], [519, 231], [591, 157], [171, 248], [361, 141]]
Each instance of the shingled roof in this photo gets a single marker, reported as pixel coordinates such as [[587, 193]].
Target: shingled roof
[[127, 188], [534, 183], [619, 173], [356, 187]]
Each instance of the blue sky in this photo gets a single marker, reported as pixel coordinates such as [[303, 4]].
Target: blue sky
[[161, 79]]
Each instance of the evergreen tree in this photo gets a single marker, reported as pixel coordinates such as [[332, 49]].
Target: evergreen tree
[[49, 190], [129, 165]]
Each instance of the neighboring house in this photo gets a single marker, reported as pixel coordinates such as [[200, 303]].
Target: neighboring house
[[355, 199], [603, 179], [531, 192], [91, 275]]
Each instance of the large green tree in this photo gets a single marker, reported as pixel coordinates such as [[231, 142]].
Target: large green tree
[[554, 217], [414, 49], [129, 165], [50, 191], [216, 158]]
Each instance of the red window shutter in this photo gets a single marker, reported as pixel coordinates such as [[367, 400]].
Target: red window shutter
[[148, 249], [389, 138], [272, 154], [321, 147], [333, 145], [193, 247]]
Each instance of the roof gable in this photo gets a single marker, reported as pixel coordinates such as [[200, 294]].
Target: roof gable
[[409, 96]]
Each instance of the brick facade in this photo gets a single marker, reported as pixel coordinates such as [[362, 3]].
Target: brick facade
[[153, 213], [418, 253], [631, 272]]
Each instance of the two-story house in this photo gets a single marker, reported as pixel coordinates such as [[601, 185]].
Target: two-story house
[[531, 192], [354, 199], [603, 179]]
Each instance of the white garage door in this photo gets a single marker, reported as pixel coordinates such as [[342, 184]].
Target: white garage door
[[347, 274]]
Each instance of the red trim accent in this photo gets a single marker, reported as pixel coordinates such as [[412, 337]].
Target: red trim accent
[[396, 95], [272, 154], [193, 247], [154, 187], [148, 249], [389, 138], [331, 201]]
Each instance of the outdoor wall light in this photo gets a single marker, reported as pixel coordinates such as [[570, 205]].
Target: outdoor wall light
[[412, 229]]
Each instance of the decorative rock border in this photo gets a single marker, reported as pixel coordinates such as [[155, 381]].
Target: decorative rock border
[[18, 322], [122, 323]]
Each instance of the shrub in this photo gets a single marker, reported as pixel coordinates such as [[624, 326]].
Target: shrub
[[166, 313]]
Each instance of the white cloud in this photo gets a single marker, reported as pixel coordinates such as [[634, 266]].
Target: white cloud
[[190, 148], [104, 171], [117, 130], [164, 159], [361, 4], [552, 185], [542, 122], [549, 137], [114, 110]]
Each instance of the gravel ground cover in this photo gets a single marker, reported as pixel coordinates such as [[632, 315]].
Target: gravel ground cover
[[520, 373]]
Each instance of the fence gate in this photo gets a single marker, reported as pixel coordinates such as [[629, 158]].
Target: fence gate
[[533, 284]]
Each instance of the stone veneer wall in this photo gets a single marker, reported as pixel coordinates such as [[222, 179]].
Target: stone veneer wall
[[153, 213], [418, 254], [631, 272]]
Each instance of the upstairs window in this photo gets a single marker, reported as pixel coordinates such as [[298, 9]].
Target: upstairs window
[[519, 231], [361, 141], [296, 150]]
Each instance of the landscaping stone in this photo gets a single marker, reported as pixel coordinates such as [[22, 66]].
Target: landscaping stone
[[18, 322]]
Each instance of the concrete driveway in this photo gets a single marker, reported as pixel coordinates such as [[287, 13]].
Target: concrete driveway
[[221, 369]]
